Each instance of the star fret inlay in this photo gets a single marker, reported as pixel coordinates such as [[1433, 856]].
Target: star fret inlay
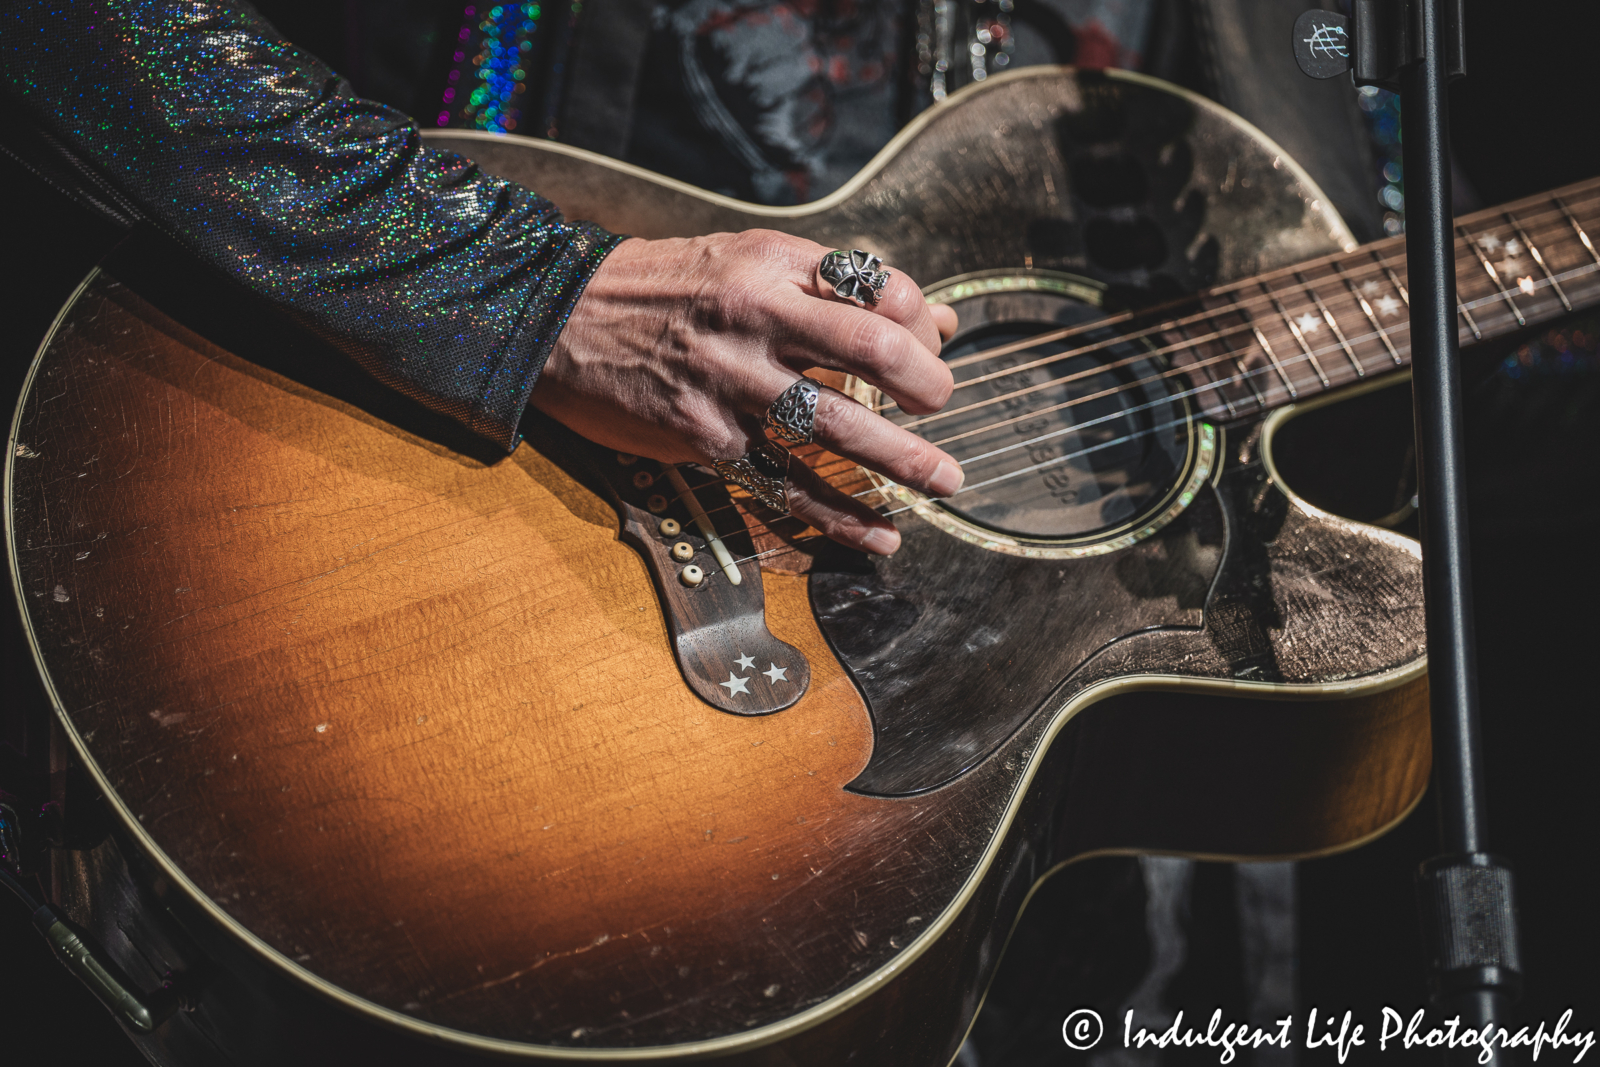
[[777, 674], [735, 684]]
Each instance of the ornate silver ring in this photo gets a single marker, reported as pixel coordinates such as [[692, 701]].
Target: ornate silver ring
[[853, 275], [792, 418], [762, 472]]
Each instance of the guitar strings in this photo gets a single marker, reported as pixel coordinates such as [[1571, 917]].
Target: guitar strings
[[1170, 398], [1088, 372], [1368, 270], [884, 489], [1242, 308], [1214, 384], [1246, 374], [1350, 276], [1377, 263]]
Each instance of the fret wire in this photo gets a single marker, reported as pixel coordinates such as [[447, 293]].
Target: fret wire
[[1327, 316], [1192, 391], [1501, 293], [1536, 208], [1299, 337], [1461, 309], [1575, 272], [1200, 364], [1366, 309], [1377, 255], [1545, 226], [1269, 276], [1467, 305], [1394, 280], [1261, 339], [1244, 372], [1533, 250], [1577, 229], [1494, 275], [1532, 219]]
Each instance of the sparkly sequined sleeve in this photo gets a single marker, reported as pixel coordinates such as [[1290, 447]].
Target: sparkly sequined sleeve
[[448, 284]]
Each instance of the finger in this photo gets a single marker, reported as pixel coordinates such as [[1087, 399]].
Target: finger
[[841, 337], [944, 317], [903, 302], [900, 302], [845, 519], [855, 432]]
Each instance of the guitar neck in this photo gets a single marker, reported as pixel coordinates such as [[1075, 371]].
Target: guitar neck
[[1291, 334]]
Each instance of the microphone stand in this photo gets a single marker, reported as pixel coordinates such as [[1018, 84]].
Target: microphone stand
[[1465, 895]]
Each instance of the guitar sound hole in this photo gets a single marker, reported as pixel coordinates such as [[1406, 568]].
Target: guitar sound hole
[[1070, 440]]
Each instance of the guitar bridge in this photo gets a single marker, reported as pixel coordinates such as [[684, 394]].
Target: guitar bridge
[[708, 583]]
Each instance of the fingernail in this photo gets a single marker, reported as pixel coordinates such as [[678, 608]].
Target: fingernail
[[946, 479], [881, 542]]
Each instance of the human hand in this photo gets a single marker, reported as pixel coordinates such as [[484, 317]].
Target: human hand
[[677, 348]]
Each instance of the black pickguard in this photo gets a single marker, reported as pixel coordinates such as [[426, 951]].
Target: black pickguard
[[954, 647]]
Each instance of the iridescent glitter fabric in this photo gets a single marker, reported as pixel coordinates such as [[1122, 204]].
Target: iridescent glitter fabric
[[446, 283]]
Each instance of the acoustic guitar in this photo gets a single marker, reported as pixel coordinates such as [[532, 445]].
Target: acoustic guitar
[[376, 747]]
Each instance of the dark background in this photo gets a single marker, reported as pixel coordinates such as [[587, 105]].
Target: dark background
[[1528, 119]]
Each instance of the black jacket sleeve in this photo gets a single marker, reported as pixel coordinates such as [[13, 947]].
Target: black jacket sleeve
[[448, 284]]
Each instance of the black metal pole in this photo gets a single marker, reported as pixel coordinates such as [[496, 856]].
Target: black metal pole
[[1436, 394], [1465, 894]]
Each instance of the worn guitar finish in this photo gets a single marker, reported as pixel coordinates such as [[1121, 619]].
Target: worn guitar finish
[[397, 757]]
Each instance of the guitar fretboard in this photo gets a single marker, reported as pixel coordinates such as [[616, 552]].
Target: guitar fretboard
[[1290, 334]]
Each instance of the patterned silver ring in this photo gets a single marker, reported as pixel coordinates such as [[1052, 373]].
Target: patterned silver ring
[[853, 275], [762, 472], [792, 418]]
